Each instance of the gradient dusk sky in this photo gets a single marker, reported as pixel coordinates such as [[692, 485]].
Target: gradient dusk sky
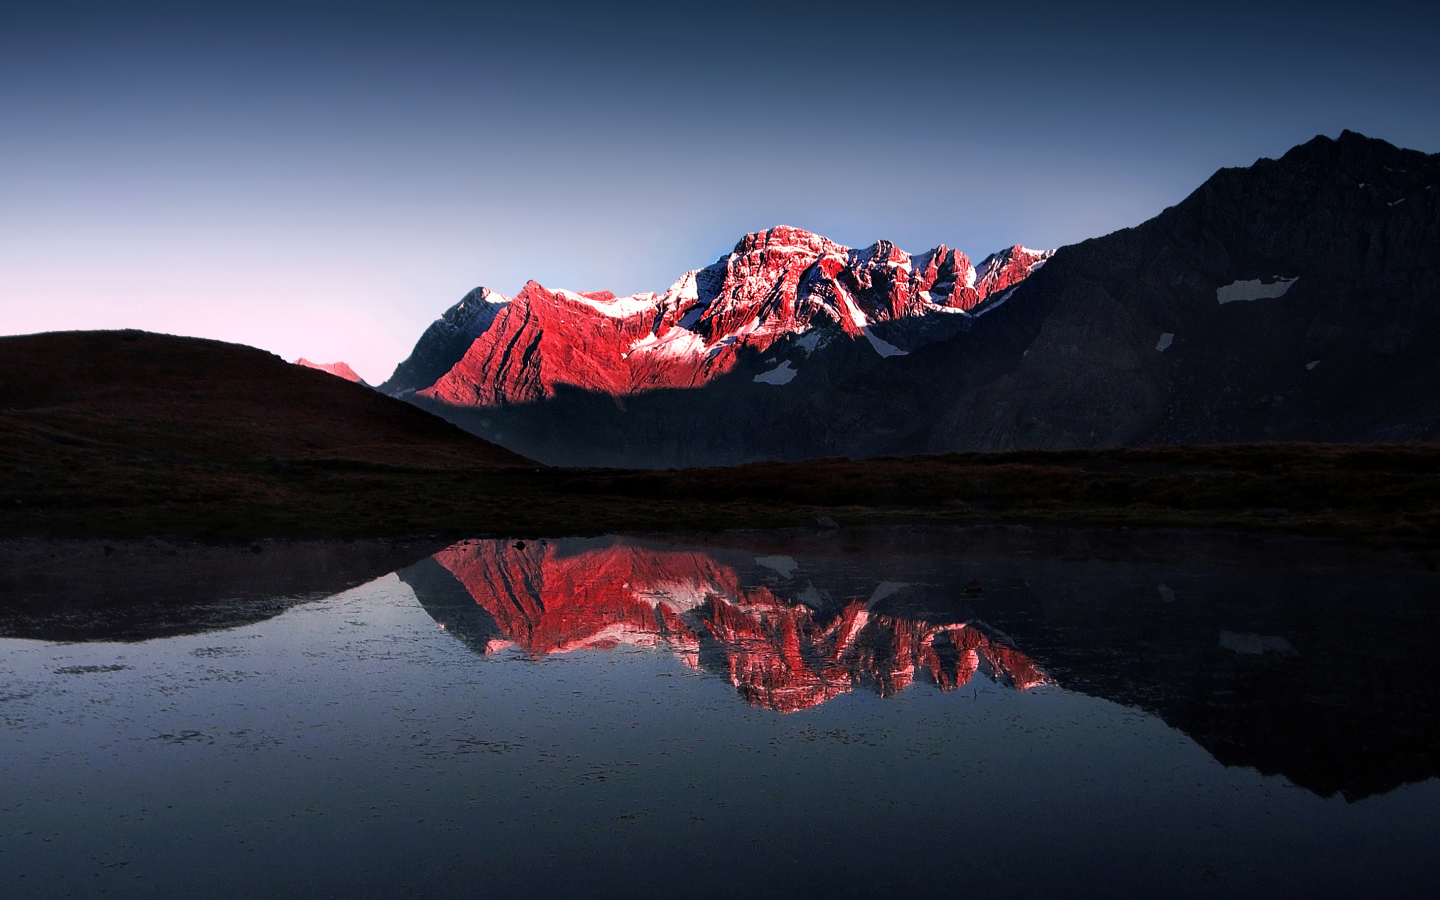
[[325, 178]]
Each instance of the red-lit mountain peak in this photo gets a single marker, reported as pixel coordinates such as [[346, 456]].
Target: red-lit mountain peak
[[775, 284], [338, 369]]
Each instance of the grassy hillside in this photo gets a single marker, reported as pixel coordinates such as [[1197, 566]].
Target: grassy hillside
[[127, 433]]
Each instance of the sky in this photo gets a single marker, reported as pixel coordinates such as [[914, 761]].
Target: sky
[[324, 178]]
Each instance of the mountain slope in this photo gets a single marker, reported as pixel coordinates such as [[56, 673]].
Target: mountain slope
[[705, 373], [1297, 299], [445, 342]]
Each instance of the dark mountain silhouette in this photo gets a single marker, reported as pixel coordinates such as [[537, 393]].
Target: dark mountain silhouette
[[145, 396], [1298, 299]]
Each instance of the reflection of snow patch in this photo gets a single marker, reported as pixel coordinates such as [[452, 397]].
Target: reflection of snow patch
[[610, 635], [1255, 644], [781, 374], [883, 348], [811, 597], [782, 564], [679, 596], [1166, 340], [1254, 290], [1311, 365], [885, 589], [1166, 594]]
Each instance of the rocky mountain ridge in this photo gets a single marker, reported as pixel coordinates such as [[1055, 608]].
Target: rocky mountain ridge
[[777, 284], [1295, 299]]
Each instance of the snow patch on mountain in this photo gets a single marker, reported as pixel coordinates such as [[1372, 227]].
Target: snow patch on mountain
[[781, 374], [1254, 290], [809, 341], [614, 307], [884, 348]]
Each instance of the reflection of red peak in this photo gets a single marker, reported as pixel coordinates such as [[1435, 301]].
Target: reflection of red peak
[[338, 369], [547, 600], [780, 659], [774, 284]]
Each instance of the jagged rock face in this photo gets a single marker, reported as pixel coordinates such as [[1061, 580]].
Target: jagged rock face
[[338, 369], [1292, 300], [776, 284], [779, 653], [444, 343]]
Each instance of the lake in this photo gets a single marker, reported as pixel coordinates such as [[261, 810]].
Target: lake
[[822, 713]]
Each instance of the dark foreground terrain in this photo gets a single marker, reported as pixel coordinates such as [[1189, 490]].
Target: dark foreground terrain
[[128, 433]]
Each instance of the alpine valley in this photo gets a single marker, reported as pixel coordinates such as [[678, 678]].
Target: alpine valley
[[1294, 300]]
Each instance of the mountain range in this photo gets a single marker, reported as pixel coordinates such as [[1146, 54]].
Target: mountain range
[[1291, 300]]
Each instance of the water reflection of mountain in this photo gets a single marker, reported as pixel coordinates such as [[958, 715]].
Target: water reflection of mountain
[[1291, 657], [141, 589], [784, 645]]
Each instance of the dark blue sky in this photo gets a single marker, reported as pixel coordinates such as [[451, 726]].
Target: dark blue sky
[[323, 178]]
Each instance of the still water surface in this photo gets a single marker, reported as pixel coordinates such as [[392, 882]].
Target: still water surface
[[763, 715]]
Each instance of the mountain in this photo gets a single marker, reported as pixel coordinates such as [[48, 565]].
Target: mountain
[[1297, 299], [445, 342], [538, 370], [1291, 300], [338, 369], [776, 285], [782, 648]]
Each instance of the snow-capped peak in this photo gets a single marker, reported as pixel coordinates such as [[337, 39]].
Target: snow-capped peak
[[776, 284]]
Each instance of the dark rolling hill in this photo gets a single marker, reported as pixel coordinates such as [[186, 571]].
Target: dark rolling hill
[[95, 426], [157, 396]]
